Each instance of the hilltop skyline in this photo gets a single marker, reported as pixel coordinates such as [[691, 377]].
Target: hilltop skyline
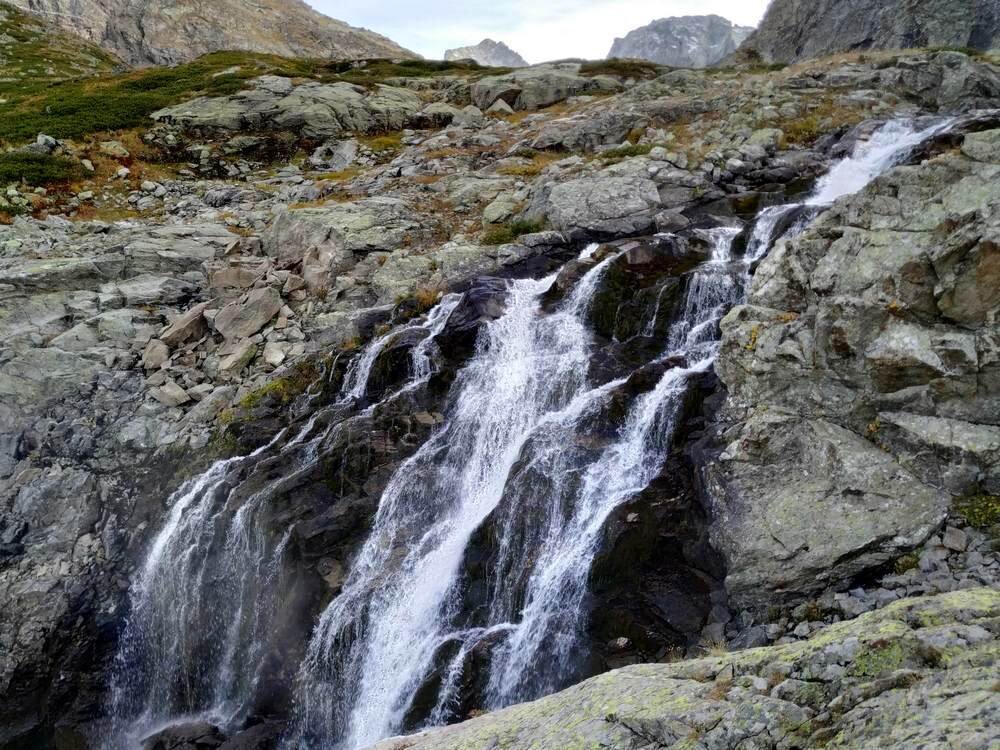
[[538, 32]]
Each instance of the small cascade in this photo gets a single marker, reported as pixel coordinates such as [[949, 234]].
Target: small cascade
[[887, 147], [356, 380]]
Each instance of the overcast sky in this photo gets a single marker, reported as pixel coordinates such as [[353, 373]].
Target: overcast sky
[[538, 29]]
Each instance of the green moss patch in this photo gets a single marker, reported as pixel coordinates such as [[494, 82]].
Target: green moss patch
[[979, 511], [618, 68], [285, 389], [878, 659]]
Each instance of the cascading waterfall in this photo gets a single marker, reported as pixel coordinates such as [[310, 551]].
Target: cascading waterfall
[[203, 599], [563, 518], [887, 146], [508, 458], [376, 643]]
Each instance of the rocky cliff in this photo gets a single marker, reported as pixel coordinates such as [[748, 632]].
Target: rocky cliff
[[488, 52], [166, 32], [796, 30], [682, 42], [193, 289]]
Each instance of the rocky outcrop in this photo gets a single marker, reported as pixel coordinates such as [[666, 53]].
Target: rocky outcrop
[[490, 53], [863, 381], [165, 32], [794, 30], [682, 41], [918, 672], [538, 86], [316, 110]]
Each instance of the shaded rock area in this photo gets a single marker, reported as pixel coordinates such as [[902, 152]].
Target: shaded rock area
[[921, 671]]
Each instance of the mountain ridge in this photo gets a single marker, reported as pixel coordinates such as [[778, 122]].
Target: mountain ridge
[[165, 32], [682, 41], [488, 52], [794, 30]]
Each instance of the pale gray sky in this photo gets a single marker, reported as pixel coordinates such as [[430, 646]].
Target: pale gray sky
[[539, 29]]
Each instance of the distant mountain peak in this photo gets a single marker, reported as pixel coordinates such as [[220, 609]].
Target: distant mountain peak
[[682, 41], [488, 52]]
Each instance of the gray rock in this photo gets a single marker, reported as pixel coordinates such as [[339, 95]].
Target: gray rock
[[603, 205], [533, 88], [856, 377], [170, 394], [155, 354], [794, 30], [245, 317]]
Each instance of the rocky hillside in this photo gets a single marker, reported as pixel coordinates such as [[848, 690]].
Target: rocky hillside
[[488, 52], [165, 32], [682, 42], [796, 30], [831, 398], [183, 286], [33, 54]]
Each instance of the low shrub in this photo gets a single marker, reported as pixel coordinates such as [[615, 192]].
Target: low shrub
[[502, 234], [621, 68], [37, 170]]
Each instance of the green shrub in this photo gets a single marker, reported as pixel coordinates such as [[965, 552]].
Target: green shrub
[[619, 68], [501, 234], [905, 563], [37, 169], [625, 152]]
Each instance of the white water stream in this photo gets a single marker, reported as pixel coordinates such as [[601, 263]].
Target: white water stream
[[508, 461]]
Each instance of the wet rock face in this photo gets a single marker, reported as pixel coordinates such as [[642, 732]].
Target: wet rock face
[[863, 382], [796, 30]]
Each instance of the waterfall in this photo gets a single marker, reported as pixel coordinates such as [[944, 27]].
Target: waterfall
[[202, 602], [377, 642], [526, 454]]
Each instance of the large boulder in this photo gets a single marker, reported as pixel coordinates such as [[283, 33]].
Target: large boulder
[[316, 110], [603, 205], [246, 316], [535, 87], [863, 381]]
